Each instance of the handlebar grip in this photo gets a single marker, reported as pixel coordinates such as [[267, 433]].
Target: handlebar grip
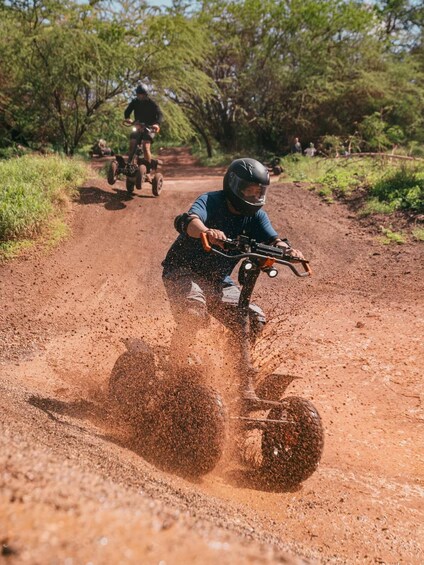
[[205, 242], [306, 267]]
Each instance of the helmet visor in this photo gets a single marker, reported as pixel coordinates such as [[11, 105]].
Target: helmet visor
[[249, 192]]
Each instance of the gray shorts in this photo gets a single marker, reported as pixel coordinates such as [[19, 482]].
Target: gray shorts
[[191, 295], [143, 136]]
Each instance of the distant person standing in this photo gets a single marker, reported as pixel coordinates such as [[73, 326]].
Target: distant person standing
[[311, 150], [297, 146]]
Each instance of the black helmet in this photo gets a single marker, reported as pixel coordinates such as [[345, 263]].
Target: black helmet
[[245, 185], [140, 89]]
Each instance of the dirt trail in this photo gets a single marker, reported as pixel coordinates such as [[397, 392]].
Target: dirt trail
[[70, 490]]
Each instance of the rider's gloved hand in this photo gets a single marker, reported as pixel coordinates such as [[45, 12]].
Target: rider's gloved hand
[[285, 246], [216, 237], [295, 253]]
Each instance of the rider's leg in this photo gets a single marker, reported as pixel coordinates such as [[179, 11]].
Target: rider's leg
[[148, 137], [226, 310], [257, 322], [147, 151], [134, 141], [242, 335], [188, 306]]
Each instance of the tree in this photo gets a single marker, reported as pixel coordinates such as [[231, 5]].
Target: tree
[[70, 60]]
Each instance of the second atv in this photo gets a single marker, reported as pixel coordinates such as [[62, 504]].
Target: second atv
[[138, 170]]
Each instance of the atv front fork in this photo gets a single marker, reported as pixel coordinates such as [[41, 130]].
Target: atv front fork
[[133, 150], [145, 148], [249, 398], [246, 369]]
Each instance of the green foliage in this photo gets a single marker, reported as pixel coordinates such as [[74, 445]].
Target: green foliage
[[339, 176], [340, 180], [374, 206], [32, 191], [299, 168], [418, 234], [404, 189], [12, 151], [70, 66], [392, 237], [389, 186], [11, 249], [243, 76], [379, 135], [218, 159]]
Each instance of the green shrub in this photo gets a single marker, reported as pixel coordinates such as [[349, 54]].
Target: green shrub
[[374, 206], [387, 185], [391, 237], [12, 151], [418, 234], [404, 189]]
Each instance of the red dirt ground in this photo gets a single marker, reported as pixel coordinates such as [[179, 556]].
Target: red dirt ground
[[72, 492]]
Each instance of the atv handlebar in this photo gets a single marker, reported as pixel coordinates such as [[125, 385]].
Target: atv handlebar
[[263, 255], [136, 125]]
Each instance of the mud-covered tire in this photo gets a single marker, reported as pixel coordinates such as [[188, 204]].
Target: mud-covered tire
[[141, 174], [131, 381], [130, 184], [112, 172], [157, 184], [291, 452], [190, 430]]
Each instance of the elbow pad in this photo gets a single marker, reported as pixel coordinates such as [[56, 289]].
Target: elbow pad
[[181, 222]]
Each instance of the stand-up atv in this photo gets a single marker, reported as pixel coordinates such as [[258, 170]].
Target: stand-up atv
[[182, 423], [139, 170]]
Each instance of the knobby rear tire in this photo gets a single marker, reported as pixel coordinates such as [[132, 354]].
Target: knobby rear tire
[[130, 185], [157, 184], [291, 452], [112, 172], [190, 427], [133, 376], [141, 174]]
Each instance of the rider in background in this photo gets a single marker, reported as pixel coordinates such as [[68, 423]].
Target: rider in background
[[198, 283], [146, 112]]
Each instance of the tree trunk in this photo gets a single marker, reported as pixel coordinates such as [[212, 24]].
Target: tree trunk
[[205, 139]]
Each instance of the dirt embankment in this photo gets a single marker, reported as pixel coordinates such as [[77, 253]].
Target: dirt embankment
[[70, 489]]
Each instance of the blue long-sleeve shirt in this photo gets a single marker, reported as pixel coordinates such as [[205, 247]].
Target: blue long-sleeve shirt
[[187, 254]]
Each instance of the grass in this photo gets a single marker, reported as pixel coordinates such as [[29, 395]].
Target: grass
[[218, 159], [390, 236], [57, 231], [303, 169], [388, 185], [418, 234], [34, 191], [11, 249], [374, 206]]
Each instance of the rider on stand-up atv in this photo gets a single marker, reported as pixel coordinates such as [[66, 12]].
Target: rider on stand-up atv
[[146, 112], [199, 283]]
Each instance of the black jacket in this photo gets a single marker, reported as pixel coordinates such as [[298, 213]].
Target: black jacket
[[145, 111]]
